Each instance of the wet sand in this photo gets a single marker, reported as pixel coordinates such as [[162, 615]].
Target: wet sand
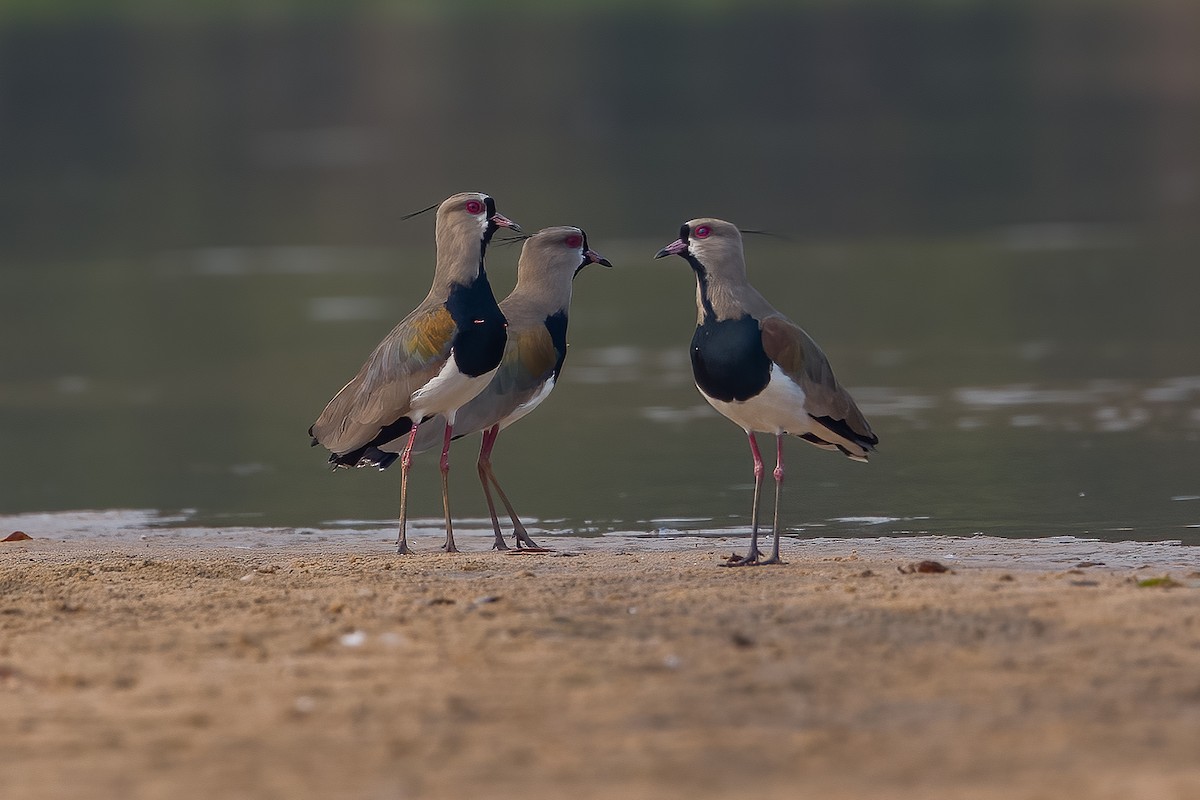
[[635, 669]]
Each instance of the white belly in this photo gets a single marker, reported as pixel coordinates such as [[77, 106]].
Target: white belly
[[449, 391], [528, 405], [779, 408]]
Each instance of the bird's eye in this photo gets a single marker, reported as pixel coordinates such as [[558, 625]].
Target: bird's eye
[[573, 241], [474, 207], [702, 232]]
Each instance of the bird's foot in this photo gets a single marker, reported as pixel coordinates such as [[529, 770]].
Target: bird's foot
[[523, 542], [751, 559], [500, 545], [402, 549], [774, 559], [449, 547]]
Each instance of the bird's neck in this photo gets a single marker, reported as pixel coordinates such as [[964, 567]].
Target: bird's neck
[[544, 292], [715, 299], [459, 261]]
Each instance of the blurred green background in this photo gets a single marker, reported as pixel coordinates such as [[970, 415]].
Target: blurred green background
[[987, 216]]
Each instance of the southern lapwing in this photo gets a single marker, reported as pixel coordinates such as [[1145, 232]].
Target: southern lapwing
[[759, 369], [437, 359], [537, 344]]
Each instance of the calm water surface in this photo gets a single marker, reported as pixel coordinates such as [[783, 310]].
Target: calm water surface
[[990, 232], [1079, 416]]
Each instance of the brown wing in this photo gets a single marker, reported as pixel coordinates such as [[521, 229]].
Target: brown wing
[[530, 359], [380, 394], [787, 345], [537, 359]]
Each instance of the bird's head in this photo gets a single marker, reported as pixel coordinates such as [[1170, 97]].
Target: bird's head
[[708, 243], [551, 252], [472, 215]]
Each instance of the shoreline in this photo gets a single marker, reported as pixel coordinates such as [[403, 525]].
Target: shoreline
[[111, 530]]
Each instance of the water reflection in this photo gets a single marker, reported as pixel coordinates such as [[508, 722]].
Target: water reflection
[[1094, 406]]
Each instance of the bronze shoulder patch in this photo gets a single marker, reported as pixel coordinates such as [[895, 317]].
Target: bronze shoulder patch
[[536, 355], [428, 336]]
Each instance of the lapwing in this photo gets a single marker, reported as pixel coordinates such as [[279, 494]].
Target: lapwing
[[533, 358], [436, 360], [758, 368]]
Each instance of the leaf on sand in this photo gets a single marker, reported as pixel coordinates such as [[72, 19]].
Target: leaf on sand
[[17, 536], [923, 566], [1166, 582]]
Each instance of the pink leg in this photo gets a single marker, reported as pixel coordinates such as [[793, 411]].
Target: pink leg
[[445, 465], [489, 441], [484, 466], [759, 473], [405, 465], [775, 559]]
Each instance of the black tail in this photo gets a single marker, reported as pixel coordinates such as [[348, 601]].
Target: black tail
[[369, 455], [842, 428]]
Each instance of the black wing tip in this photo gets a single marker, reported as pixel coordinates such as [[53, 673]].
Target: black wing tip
[[368, 456], [342, 462], [842, 428], [377, 458]]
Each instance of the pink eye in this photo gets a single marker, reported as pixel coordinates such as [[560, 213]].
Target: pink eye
[[474, 207], [573, 241], [702, 232]]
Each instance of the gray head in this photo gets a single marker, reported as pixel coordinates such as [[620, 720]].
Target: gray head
[[550, 259], [465, 224], [467, 220], [551, 252], [712, 246], [713, 249]]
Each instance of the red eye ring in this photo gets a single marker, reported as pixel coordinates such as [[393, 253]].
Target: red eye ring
[[474, 207], [573, 241], [702, 232]]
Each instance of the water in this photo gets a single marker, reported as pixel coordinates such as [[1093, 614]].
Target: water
[[990, 230]]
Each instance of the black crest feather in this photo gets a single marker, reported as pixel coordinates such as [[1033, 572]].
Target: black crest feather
[[419, 213]]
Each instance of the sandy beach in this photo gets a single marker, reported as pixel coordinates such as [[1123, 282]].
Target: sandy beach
[[157, 668]]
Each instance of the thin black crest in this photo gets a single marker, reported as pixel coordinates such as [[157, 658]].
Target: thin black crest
[[772, 234], [516, 237], [419, 213]]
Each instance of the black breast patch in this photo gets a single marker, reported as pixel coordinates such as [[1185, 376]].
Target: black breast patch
[[479, 341], [728, 359], [556, 325]]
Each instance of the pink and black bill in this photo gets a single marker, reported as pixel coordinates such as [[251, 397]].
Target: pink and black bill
[[677, 247], [590, 256]]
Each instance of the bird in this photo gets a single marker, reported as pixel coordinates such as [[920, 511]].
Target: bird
[[758, 368], [536, 311], [439, 357]]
